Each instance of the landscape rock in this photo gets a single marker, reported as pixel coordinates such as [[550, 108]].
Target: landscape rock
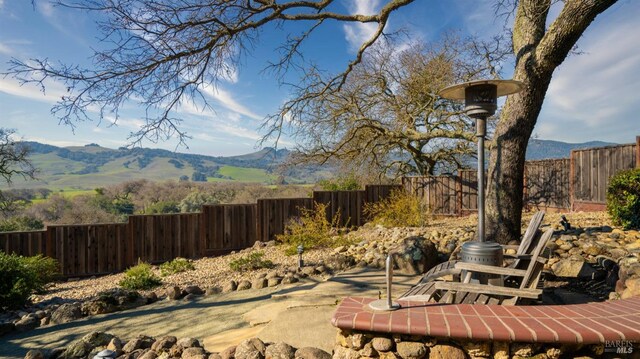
[[193, 289], [6, 327], [97, 339], [573, 268], [259, 283], [174, 293], [411, 350], [189, 343], [213, 291], [346, 353], [272, 282], [382, 344], [164, 343], [77, 349], [280, 350], [141, 342], [415, 255], [66, 313], [151, 297], [34, 354], [244, 285], [446, 351], [312, 353], [194, 353], [116, 345], [26, 323], [252, 348], [228, 353], [230, 286], [151, 354], [289, 279]]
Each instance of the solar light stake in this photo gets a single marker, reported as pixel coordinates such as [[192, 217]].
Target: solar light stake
[[300, 251]]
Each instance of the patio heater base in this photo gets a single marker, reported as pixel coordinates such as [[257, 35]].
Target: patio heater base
[[487, 253]]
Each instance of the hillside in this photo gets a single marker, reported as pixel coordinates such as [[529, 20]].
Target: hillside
[[544, 149], [91, 166]]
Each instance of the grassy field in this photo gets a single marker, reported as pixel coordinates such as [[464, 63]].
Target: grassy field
[[240, 174]]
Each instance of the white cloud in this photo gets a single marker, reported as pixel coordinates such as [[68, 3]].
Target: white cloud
[[358, 33], [59, 143], [54, 91], [4, 49], [225, 98], [594, 94]]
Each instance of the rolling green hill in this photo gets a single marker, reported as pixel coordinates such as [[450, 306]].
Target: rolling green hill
[[91, 166]]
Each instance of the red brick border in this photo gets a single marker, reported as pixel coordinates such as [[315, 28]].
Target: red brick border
[[590, 323]]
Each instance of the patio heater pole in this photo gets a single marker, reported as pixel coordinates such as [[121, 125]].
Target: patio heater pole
[[480, 100]]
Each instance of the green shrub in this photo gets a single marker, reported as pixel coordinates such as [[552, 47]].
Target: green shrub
[[20, 223], [400, 209], [341, 183], [312, 230], [140, 277], [252, 261], [22, 276], [177, 265], [623, 199]]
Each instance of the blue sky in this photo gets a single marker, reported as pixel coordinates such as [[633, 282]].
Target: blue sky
[[593, 96]]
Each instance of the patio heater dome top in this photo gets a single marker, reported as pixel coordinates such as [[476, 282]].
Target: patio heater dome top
[[503, 88]]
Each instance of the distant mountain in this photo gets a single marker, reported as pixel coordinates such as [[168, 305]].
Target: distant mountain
[[546, 149], [91, 166]]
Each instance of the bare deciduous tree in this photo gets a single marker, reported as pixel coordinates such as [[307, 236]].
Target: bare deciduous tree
[[14, 161], [387, 117], [163, 52]]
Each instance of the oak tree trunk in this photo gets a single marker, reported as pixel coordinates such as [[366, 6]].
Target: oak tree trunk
[[539, 51]]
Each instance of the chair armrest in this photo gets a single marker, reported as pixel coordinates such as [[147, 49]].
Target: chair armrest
[[483, 268], [489, 289]]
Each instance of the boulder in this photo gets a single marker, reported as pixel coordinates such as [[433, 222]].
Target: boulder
[[174, 293], [193, 289], [189, 343], [415, 255], [228, 353], [213, 291], [411, 350], [77, 349], [116, 345], [446, 351], [289, 279], [6, 327], [252, 348], [272, 282], [259, 283], [382, 344], [151, 297], [141, 342], [164, 343], [280, 350], [312, 353], [148, 355], [230, 286], [194, 353], [26, 323], [34, 354], [340, 262], [66, 313], [345, 353], [244, 285], [98, 339], [573, 268]]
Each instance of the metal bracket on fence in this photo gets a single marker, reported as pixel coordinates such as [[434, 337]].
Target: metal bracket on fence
[[386, 304]]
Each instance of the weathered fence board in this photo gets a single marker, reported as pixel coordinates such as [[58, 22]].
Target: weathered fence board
[[274, 214], [228, 227], [593, 167], [439, 193], [24, 243], [88, 249], [546, 184], [162, 237], [348, 203], [378, 192]]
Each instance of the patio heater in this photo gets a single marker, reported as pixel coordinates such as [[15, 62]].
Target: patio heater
[[480, 99]]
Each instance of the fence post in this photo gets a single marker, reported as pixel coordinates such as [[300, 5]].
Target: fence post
[[637, 151], [572, 175], [458, 194]]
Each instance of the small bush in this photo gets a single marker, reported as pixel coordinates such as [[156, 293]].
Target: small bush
[[140, 277], [177, 265], [250, 262], [22, 276], [20, 223], [400, 209], [312, 230], [623, 199], [341, 183]]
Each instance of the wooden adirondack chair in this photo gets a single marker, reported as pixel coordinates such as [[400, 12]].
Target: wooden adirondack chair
[[466, 292], [523, 252]]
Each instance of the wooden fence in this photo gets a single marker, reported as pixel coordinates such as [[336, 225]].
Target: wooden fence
[[591, 169], [106, 248], [579, 183]]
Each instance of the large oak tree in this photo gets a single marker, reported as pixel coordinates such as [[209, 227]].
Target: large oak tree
[[163, 52]]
